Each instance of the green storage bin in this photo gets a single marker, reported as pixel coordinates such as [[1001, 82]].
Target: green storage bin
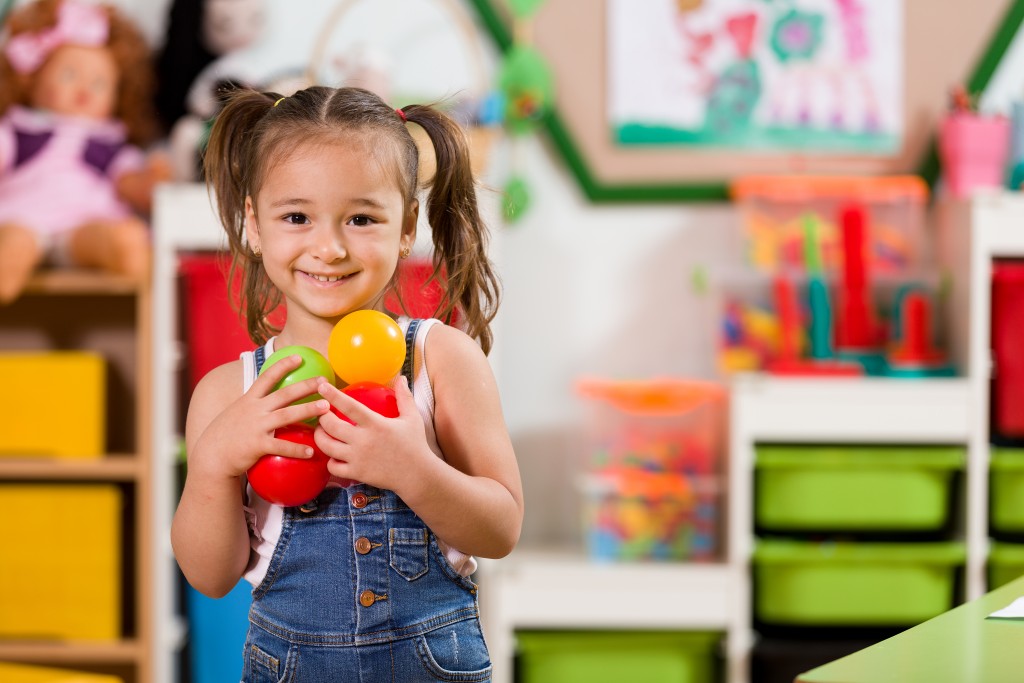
[[854, 584], [854, 488], [1005, 563], [614, 657], [1006, 471]]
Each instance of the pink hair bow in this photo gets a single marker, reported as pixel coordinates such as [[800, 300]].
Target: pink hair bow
[[77, 24]]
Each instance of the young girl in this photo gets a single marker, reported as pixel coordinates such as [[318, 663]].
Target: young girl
[[75, 91], [317, 192]]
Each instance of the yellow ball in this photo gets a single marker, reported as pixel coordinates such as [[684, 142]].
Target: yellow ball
[[366, 346]]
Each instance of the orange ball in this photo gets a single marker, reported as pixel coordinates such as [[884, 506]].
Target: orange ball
[[366, 346]]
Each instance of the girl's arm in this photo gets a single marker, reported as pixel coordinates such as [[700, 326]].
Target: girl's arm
[[225, 434], [473, 499]]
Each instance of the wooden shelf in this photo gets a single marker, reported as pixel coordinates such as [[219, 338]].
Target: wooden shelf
[[80, 282], [85, 652], [114, 467]]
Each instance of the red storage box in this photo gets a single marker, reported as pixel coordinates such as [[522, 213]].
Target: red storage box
[[214, 333], [1008, 348]]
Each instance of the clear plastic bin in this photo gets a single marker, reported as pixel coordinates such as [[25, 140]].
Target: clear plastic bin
[[659, 425], [775, 210], [636, 515]]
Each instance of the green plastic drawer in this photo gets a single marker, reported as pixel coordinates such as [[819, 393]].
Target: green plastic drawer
[[614, 657], [1005, 563], [854, 584], [1007, 489], [854, 488]]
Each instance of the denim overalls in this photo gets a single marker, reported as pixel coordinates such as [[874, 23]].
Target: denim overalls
[[358, 590]]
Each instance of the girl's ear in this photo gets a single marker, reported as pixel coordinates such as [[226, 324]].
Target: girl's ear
[[252, 229]]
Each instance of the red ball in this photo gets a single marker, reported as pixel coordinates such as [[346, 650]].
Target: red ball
[[377, 397], [291, 481]]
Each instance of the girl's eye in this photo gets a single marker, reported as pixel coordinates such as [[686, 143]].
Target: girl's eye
[[296, 219], [362, 221]]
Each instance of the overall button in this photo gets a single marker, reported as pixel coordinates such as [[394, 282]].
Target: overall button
[[368, 597], [363, 545], [360, 500]]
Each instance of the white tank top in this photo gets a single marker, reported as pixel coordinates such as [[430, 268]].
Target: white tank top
[[264, 518]]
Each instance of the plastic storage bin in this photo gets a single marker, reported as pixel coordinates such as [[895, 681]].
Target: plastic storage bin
[[641, 515], [614, 657], [60, 563], [775, 210], [1005, 563], [1007, 342], [853, 584], [74, 382], [1006, 471], [24, 673], [214, 333], [854, 488], [659, 425]]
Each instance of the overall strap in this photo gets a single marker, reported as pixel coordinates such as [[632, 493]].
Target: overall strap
[[410, 349], [260, 356]]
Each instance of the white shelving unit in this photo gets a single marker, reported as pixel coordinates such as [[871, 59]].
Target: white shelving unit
[[183, 220]]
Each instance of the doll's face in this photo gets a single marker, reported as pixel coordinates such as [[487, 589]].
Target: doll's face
[[230, 25], [77, 81]]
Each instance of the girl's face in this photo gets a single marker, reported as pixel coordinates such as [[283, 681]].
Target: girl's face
[[331, 225], [77, 81]]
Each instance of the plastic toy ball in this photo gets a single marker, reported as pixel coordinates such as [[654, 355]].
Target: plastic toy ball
[[291, 481], [366, 346], [313, 365], [377, 397]]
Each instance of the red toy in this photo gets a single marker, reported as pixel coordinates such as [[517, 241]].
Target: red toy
[[291, 481]]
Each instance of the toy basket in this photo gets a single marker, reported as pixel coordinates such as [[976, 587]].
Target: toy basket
[[453, 36]]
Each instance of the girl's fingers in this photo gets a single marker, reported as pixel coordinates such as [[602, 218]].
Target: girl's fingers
[[289, 449], [344, 403], [301, 413], [296, 392], [335, 426], [265, 383]]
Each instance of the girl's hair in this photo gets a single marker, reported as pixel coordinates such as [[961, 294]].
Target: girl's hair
[[134, 105], [255, 128]]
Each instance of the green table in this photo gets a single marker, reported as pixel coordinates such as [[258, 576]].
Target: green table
[[960, 646]]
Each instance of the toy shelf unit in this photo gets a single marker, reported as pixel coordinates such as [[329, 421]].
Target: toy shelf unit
[[805, 456], [76, 485]]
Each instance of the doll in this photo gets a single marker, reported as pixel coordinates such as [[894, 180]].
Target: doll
[[75, 98]]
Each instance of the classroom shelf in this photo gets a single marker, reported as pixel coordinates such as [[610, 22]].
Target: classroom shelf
[[69, 310], [113, 467]]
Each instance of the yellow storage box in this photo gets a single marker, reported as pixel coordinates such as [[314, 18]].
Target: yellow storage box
[[53, 404], [23, 673], [60, 562]]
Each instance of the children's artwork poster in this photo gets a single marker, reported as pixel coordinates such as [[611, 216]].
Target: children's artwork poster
[[807, 75]]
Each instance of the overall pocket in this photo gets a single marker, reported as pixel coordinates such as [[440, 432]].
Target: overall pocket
[[408, 548]]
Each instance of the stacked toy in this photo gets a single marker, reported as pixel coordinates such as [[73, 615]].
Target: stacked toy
[[366, 351]]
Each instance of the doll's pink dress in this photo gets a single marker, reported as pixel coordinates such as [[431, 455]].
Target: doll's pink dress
[[57, 172]]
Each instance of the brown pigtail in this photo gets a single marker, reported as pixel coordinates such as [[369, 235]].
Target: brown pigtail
[[229, 164], [459, 234]]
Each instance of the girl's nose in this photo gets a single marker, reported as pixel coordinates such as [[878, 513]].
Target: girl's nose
[[329, 246]]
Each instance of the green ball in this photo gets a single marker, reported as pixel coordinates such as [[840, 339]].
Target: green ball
[[313, 365]]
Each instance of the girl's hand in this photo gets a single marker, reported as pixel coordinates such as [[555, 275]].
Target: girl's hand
[[244, 431], [376, 450]]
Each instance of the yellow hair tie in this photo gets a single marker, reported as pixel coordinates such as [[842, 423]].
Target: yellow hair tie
[[278, 102]]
